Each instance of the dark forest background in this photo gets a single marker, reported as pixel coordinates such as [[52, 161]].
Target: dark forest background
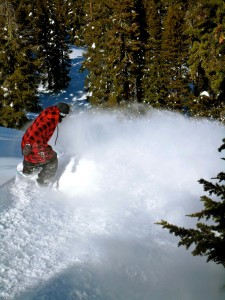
[[164, 53]]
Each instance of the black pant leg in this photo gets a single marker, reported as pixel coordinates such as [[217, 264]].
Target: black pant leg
[[28, 168], [48, 170]]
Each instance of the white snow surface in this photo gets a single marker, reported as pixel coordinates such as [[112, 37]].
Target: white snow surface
[[93, 236]]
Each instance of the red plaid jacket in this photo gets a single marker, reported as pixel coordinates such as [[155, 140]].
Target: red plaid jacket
[[39, 134]]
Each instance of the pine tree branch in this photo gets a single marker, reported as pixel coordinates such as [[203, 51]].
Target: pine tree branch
[[208, 239], [222, 147], [208, 242], [214, 210], [216, 188], [220, 176]]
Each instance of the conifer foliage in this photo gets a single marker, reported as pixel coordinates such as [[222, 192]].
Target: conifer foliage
[[167, 53], [152, 70], [174, 53], [17, 81], [113, 56], [209, 237], [33, 50], [53, 39], [205, 21]]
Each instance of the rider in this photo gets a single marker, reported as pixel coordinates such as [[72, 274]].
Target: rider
[[35, 148]]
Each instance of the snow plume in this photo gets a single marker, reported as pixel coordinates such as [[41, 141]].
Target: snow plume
[[96, 238]]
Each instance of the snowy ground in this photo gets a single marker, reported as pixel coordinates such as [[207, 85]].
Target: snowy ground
[[96, 238]]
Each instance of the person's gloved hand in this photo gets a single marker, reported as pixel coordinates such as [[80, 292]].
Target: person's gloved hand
[[60, 118], [26, 150]]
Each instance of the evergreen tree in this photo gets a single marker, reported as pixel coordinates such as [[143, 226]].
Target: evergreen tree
[[154, 51], [18, 66], [206, 28], [53, 39], [208, 238], [97, 19], [76, 21], [34, 46], [27, 74], [113, 57], [174, 82], [151, 82]]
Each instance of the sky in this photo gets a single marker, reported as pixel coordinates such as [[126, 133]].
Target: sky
[[93, 235]]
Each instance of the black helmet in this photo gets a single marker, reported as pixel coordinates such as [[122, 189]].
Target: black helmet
[[63, 107]]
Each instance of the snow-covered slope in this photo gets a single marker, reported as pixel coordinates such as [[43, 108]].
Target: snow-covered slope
[[95, 237]]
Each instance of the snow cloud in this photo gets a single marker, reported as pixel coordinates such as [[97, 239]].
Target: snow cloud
[[96, 236]]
